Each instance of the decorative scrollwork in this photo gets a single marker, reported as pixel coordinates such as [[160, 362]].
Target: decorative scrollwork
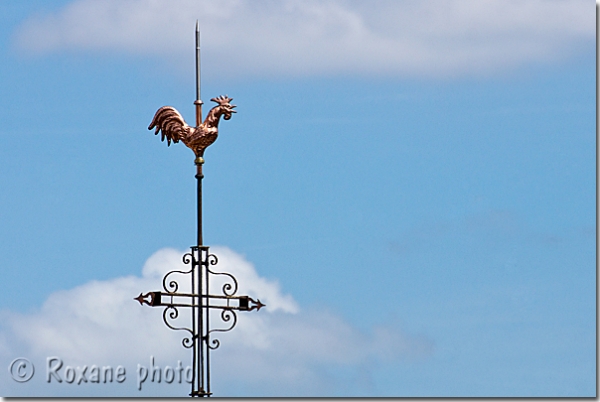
[[187, 342], [212, 259], [215, 344], [172, 313], [187, 258], [228, 289], [226, 316], [173, 285]]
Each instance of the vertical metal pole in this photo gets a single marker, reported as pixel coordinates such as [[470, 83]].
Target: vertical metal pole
[[202, 387], [200, 379], [195, 340], [199, 176], [202, 301], [207, 328], [199, 160]]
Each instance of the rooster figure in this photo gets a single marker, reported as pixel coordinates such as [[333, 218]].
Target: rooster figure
[[168, 120]]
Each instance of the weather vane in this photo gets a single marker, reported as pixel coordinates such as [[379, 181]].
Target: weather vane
[[169, 122]]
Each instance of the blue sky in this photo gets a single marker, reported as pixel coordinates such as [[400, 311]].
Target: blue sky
[[411, 184]]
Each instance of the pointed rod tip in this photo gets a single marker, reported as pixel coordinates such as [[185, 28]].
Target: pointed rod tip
[[197, 26]]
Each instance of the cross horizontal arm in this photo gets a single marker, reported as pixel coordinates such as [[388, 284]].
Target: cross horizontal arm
[[246, 303]]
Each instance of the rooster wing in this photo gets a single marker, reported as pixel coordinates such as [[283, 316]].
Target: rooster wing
[[170, 122]]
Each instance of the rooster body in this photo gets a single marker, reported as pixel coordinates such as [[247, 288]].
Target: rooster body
[[173, 127]]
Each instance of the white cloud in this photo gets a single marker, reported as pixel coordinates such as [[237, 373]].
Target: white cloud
[[276, 351], [306, 37]]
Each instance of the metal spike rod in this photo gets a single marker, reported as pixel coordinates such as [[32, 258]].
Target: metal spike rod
[[199, 160], [198, 102]]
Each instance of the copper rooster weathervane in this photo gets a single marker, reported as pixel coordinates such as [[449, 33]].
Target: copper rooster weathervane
[[199, 335], [168, 120]]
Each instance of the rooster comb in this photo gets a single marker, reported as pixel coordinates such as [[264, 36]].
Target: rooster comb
[[223, 100]]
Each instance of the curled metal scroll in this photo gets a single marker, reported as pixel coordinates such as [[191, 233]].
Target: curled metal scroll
[[173, 286], [211, 259], [187, 258], [228, 289], [215, 344], [226, 316], [172, 313]]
